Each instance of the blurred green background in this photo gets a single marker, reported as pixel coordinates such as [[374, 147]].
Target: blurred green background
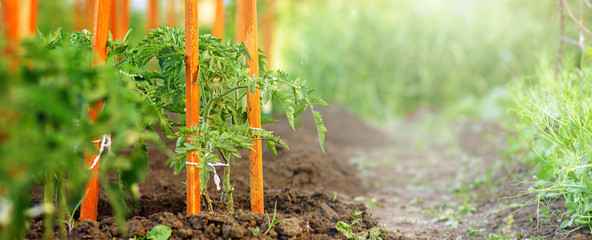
[[382, 59]]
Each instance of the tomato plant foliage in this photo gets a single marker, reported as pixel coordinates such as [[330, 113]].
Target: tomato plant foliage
[[46, 91], [223, 80], [45, 98]]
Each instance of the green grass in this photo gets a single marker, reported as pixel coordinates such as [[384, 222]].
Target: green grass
[[383, 58], [556, 113]]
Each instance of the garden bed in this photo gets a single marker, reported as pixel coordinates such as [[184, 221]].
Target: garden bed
[[310, 187]]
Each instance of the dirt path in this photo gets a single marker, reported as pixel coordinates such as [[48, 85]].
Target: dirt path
[[454, 179]]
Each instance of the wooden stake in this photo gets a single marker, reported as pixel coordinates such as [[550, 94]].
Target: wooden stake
[[171, 13], [192, 100], [33, 17], [249, 8], [152, 14], [125, 16], [20, 19], [218, 30], [114, 21], [268, 30], [88, 209], [82, 14], [119, 18], [240, 22]]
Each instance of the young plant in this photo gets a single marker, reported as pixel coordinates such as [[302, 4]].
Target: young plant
[[223, 80], [47, 98], [348, 229], [272, 222]]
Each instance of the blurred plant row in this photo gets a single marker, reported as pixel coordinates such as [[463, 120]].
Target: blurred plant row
[[385, 58], [555, 109], [46, 91]]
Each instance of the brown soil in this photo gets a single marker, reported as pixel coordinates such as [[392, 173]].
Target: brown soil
[[303, 181], [421, 178]]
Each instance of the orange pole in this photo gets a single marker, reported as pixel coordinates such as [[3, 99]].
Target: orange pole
[[114, 21], [82, 14], [33, 17], [240, 25], [78, 14], [152, 15], [192, 100], [125, 17], [268, 30], [88, 209], [172, 13], [218, 30], [20, 18], [119, 18], [249, 8]]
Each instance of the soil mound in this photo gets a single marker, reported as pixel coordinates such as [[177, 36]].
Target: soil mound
[[311, 216], [304, 167]]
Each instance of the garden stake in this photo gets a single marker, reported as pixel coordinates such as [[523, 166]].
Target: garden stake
[[83, 12], [33, 17], [268, 31], [268, 27], [125, 16], [151, 15], [240, 24], [171, 13], [249, 15], [88, 209], [192, 102], [20, 19], [218, 30], [117, 21]]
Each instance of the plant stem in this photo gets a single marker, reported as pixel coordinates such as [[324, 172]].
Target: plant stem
[[206, 197], [62, 206], [227, 187], [48, 201]]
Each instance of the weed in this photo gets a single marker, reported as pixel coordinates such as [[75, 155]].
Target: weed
[[348, 229], [159, 232], [256, 231], [272, 222]]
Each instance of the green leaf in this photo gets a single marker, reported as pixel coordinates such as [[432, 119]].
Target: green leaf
[[545, 172], [566, 223], [321, 129], [159, 232], [267, 120]]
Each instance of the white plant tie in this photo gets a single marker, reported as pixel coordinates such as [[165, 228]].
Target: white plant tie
[[105, 143], [254, 128], [216, 177], [211, 164]]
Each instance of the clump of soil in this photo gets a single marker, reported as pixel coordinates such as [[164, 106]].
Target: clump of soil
[[312, 216], [303, 168]]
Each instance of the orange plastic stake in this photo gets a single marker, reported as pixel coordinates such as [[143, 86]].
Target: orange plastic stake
[[268, 30], [78, 14], [171, 13], [249, 15], [83, 12], [114, 21], [125, 17], [33, 17], [88, 209], [218, 30], [240, 22], [119, 18], [20, 18], [152, 15], [192, 100]]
